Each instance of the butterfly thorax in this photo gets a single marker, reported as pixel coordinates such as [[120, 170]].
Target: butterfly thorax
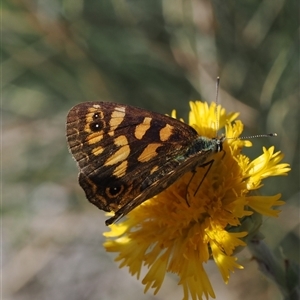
[[203, 145]]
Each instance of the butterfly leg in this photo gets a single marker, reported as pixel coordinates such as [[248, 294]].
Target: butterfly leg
[[187, 188], [209, 164]]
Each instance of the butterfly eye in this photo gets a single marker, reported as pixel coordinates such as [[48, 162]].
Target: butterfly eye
[[114, 191]]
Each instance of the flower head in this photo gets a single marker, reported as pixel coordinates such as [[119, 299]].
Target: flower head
[[186, 225]]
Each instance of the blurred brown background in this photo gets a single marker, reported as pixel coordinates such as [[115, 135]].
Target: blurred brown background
[[150, 53]]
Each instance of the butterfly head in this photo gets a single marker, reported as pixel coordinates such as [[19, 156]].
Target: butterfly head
[[219, 143]]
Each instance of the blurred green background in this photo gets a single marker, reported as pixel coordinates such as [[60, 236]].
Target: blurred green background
[[155, 54]]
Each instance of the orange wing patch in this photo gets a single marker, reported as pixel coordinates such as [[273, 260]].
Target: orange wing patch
[[120, 170], [97, 151], [149, 152], [94, 138], [121, 140], [116, 119], [166, 132], [119, 156], [141, 129], [154, 169]]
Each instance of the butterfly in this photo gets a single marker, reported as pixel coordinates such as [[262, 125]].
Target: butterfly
[[127, 155]]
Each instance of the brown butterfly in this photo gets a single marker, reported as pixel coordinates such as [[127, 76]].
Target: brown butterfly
[[127, 155]]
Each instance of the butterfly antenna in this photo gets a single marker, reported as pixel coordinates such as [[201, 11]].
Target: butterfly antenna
[[217, 103], [258, 136], [253, 136]]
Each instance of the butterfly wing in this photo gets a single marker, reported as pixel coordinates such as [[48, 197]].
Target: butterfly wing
[[126, 154]]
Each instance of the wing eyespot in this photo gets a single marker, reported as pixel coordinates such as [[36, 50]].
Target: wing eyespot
[[114, 191], [96, 126]]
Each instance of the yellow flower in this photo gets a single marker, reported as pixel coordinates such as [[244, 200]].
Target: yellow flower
[[186, 225]]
